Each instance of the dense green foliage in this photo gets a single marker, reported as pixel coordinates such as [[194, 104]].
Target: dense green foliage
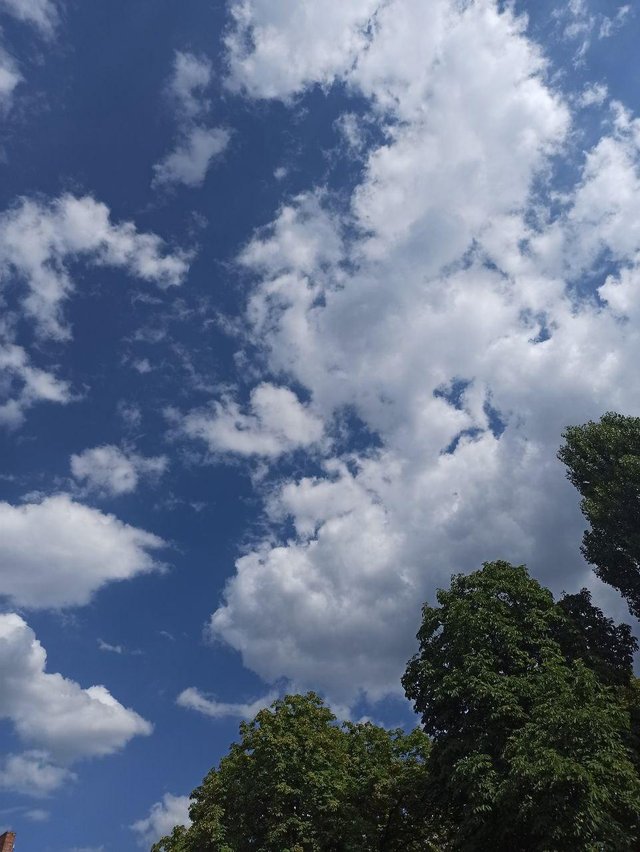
[[299, 782], [530, 748], [603, 462], [587, 634]]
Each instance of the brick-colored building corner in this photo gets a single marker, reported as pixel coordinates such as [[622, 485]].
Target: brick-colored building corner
[[6, 841]]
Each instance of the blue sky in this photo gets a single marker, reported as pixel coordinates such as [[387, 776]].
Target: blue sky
[[296, 300]]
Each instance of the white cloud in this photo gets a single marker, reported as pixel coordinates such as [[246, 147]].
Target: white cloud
[[59, 720], [107, 647], [191, 77], [31, 773], [197, 145], [189, 163], [193, 699], [581, 22], [162, 817], [37, 815], [608, 26], [302, 238], [142, 366], [130, 414], [352, 128], [22, 385], [10, 76], [42, 14], [110, 470], [276, 423], [452, 320], [604, 212], [39, 239], [113, 649], [277, 48], [58, 552], [593, 95]]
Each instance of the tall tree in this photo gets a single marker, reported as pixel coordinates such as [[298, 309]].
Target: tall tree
[[299, 782], [603, 462], [530, 748]]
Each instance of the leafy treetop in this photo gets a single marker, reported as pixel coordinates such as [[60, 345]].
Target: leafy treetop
[[603, 463]]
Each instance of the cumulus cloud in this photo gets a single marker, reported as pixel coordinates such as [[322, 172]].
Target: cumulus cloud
[[31, 773], [193, 699], [593, 95], [39, 239], [276, 422], [303, 238], [275, 49], [197, 144], [59, 720], [189, 162], [58, 552], [163, 816], [189, 82], [110, 470], [462, 311]]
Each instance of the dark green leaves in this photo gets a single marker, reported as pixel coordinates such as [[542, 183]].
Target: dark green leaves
[[530, 746], [299, 782], [603, 462]]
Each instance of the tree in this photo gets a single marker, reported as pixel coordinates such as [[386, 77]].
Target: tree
[[529, 746], [385, 807], [299, 782], [603, 463], [604, 646]]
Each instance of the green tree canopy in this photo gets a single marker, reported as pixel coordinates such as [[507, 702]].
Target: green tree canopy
[[299, 782], [530, 746], [603, 462]]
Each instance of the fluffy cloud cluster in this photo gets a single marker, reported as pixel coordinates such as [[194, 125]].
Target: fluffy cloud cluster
[[110, 470], [275, 49], [56, 717], [446, 311], [58, 552], [276, 423], [162, 817], [198, 144], [39, 239]]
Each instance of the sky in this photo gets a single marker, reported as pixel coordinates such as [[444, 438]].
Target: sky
[[296, 301]]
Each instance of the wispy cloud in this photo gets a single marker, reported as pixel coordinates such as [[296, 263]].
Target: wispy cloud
[[197, 144]]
